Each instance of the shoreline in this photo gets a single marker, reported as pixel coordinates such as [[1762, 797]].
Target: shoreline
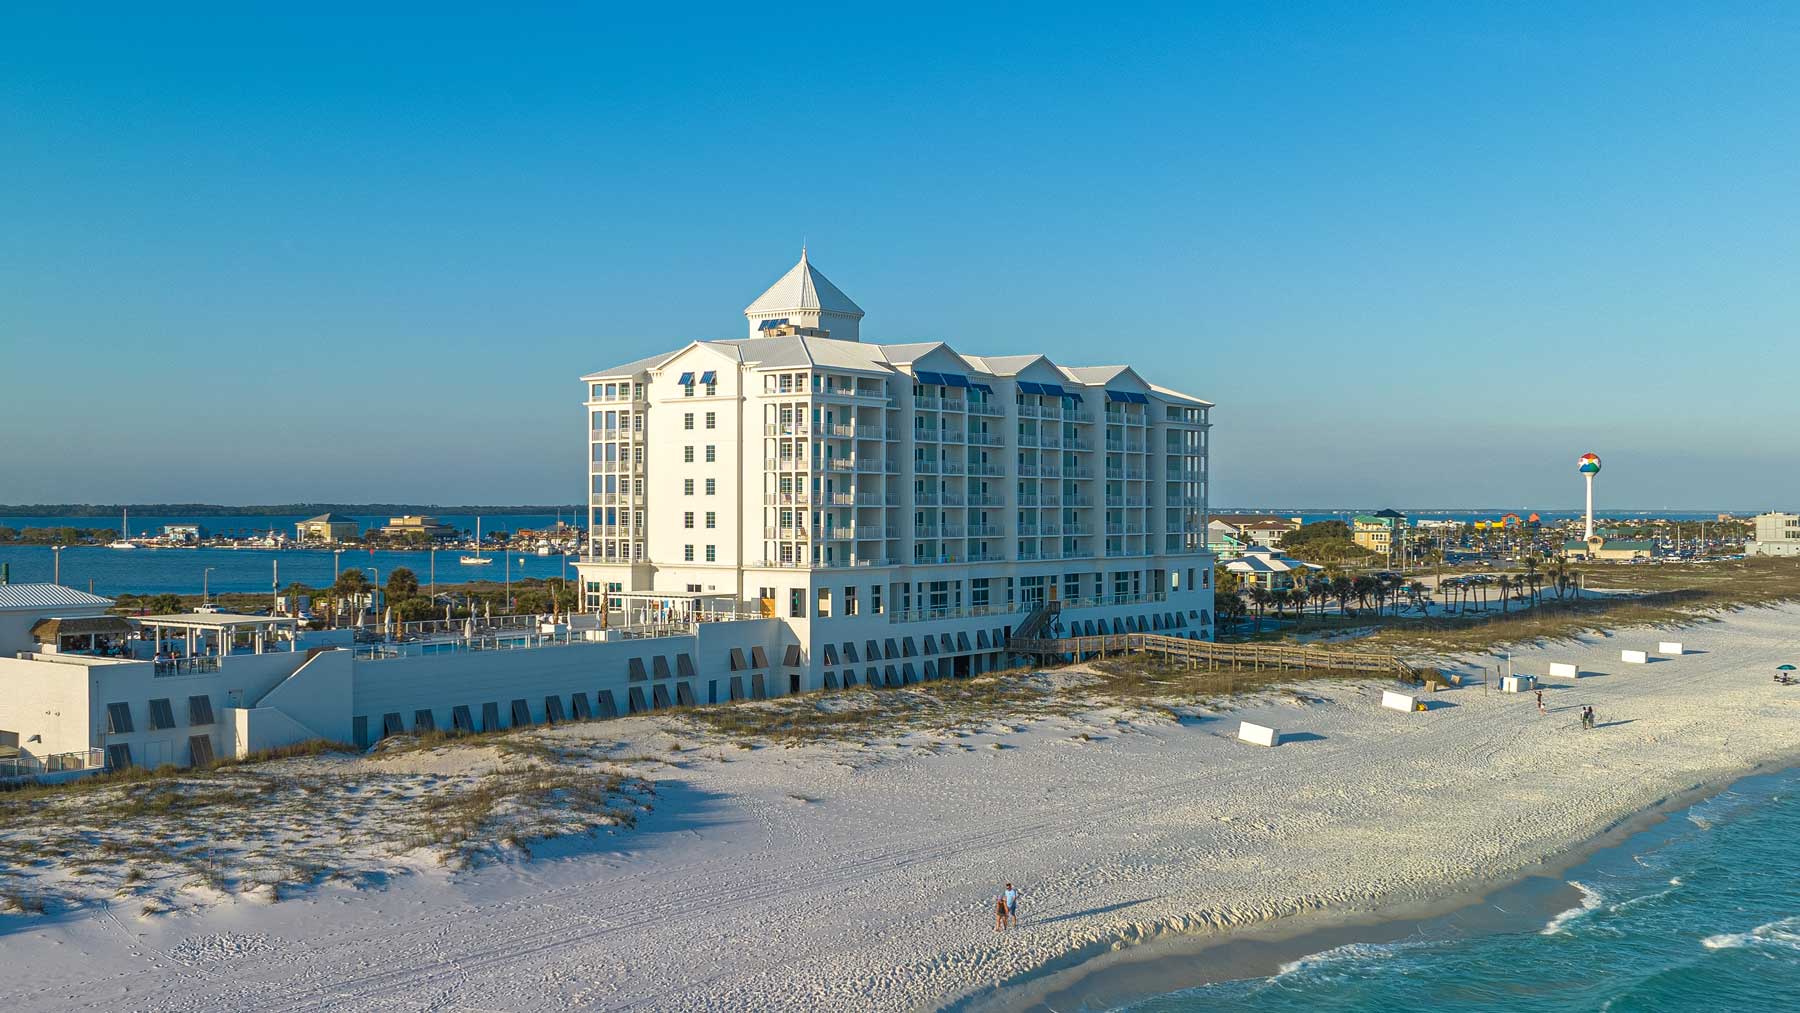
[[1115, 975]]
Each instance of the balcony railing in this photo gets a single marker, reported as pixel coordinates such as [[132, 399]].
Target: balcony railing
[[984, 439], [784, 498], [985, 408]]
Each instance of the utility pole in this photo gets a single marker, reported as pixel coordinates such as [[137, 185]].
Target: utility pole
[[205, 585]]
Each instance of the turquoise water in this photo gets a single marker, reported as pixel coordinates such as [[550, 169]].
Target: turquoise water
[[1699, 913]]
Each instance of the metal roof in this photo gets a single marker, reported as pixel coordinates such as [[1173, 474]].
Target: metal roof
[[804, 288], [36, 596]]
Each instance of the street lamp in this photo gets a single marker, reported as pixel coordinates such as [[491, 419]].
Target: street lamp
[[56, 551]]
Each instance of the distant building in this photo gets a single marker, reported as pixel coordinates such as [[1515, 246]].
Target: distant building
[[1252, 529], [1777, 534], [400, 527], [184, 534], [1378, 532], [328, 529], [1267, 569], [1605, 549]]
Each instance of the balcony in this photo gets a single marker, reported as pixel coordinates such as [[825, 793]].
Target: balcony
[[953, 436], [785, 429], [986, 408], [984, 439], [990, 469], [1031, 411], [924, 466], [1028, 499], [786, 498], [927, 403], [785, 534], [953, 467], [925, 498], [1075, 473], [868, 464], [955, 404], [952, 531], [983, 531], [1076, 415], [925, 434], [986, 501], [952, 499], [871, 499]]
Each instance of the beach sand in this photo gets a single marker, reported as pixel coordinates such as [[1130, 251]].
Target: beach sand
[[843, 877]]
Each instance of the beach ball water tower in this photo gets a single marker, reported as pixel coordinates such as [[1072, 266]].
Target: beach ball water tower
[[1589, 465]]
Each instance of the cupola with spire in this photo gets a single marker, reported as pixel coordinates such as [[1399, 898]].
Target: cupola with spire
[[804, 301]]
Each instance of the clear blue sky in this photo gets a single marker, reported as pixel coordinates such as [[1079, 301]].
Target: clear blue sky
[[1421, 255]]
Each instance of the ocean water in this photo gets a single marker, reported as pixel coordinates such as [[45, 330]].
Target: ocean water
[[1701, 912]]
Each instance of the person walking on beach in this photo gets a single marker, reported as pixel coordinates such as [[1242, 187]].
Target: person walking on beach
[[999, 912], [1011, 897], [1540, 700]]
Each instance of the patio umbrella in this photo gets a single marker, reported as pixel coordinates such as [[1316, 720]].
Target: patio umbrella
[[469, 628], [1784, 668], [387, 625]]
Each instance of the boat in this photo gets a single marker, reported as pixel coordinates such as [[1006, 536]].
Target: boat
[[476, 559], [124, 540]]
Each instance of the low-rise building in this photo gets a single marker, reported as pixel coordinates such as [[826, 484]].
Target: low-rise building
[[1777, 534], [419, 526], [328, 529], [1252, 529], [182, 534], [1378, 532], [1266, 568], [1603, 549]]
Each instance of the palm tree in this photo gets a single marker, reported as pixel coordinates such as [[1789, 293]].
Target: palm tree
[[1298, 594], [1420, 595], [1343, 588], [1506, 584], [1259, 596]]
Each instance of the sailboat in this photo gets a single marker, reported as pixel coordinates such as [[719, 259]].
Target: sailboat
[[476, 559], [123, 541]]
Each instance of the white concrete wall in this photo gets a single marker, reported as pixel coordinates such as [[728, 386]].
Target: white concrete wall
[[46, 699]]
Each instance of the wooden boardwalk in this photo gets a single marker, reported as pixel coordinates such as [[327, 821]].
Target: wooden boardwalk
[[1206, 654]]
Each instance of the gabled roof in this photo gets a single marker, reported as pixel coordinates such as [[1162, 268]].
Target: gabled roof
[[911, 351], [35, 596], [1007, 365], [328, 519], [632, 368], [804, 288]]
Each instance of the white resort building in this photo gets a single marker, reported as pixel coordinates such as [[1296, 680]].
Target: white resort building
[[899, 507], [789, 512]]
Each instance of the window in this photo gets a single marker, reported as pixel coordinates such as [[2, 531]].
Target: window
[[200, 710], [161, 715], [875, 599], [823, 606], [687, 553], [712, 389], [687, 455], [796, 604], [712, 519], [118, 720], [687, 519], [712, 453], [712, 486], [712, 420], [118, 756], [201, 750], [687, 421], [687, 486], [688, 391], [712, 555]]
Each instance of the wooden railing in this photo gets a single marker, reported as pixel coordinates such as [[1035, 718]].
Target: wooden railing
[[1210, 654]]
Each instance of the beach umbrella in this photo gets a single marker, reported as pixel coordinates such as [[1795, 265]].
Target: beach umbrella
[[469, 628], [1784, 668], [387, 625]]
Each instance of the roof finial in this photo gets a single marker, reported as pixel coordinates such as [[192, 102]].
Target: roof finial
[[802, 249]]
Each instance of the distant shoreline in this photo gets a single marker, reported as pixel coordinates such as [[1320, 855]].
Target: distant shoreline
[[273, 510]]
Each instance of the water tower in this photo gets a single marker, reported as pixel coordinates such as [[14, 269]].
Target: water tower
[[1589, 466]]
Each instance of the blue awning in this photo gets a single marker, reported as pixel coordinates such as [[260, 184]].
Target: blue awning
[[924, 377], [955, 380], [687, 379], [710, 376], [1139, 399], [1027, 387], [982, 387], [1051, 389], [1073, 395], [1118, 396]]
